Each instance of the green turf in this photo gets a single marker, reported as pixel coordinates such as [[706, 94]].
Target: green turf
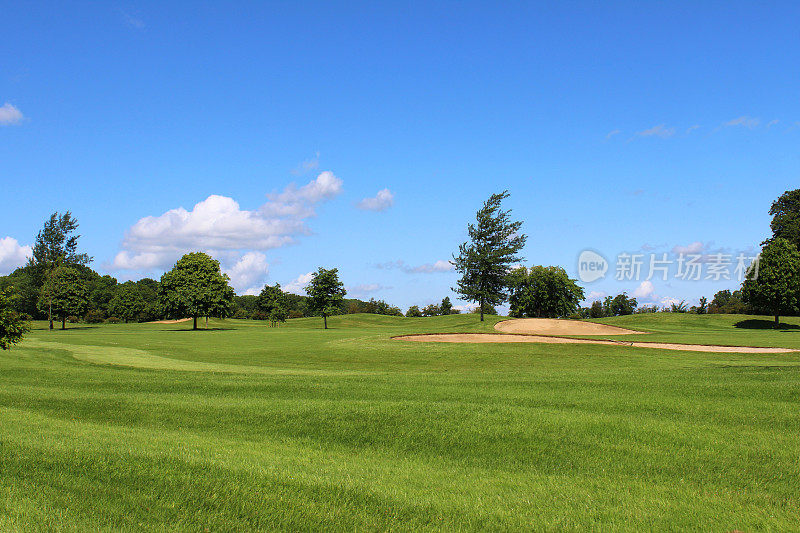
[[243, 427]]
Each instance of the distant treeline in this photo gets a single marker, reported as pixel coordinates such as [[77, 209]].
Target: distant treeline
[[109, 300]]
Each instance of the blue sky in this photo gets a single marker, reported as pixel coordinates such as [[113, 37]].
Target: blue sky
[[624, 127]]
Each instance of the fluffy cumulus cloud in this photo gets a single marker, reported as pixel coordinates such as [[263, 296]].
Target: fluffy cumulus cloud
[[427, 268], [298, 285], [249, 273], [645, 290], [219, 224], [380, 202], [12, 255], [10, 115]]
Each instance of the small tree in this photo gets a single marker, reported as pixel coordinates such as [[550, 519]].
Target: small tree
[[55, 246], [127, 303], [272, 302], [622, 305], [431, 310], [446, 307], [13, 326], [776, 284], [64, 293], [325, 293], [485, 260], [543, 292], [703, 307], [596, 311], [195, 287], [414, 312]]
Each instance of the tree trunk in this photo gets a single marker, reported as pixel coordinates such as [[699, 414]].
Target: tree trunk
[[777, 321], [194, 326], [63, 322], [325, 321], [50, 310], [206, 321], [481, 304]]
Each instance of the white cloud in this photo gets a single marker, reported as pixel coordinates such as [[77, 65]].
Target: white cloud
[[218, 224], [12, 254], [428, 268], [644, 290], [365, 289], [381, 202], [693, 248], [595, 295], [10, 115], [690, 129], [657, 131], [612, 133], [667, 301], [250, 270], [773, 122], [298, 285], [745, 121]]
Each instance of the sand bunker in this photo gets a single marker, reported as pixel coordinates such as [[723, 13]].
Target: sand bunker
[[498, 337], [170, 321], [545, 331], [552, 326]]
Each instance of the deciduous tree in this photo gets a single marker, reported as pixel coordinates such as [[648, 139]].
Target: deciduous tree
[[127, 302], [325, 293], [65, 293], [195, 287], [485, 260], [446, 307], [785, 213], [775, 286], [543, 292], [13, 326]]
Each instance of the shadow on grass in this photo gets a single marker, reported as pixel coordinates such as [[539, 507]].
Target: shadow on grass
[[200, 329], [765, 324]]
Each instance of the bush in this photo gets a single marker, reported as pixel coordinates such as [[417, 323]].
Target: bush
[[73, 319], [259, 315], [295, 314], [95, 316], [113, 320]]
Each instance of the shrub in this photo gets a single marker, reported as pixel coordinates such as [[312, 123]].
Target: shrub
[[259, 315], [95, 316], [295, 314], [113, 320], [72, 319]]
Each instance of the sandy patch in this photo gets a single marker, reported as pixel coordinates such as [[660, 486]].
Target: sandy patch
[[179, 320], [553, 326], [500, 338]]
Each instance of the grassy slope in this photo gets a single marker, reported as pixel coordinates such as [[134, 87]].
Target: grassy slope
[[247, 427]]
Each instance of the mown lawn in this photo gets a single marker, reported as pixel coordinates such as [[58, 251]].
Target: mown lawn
[[243, 427]]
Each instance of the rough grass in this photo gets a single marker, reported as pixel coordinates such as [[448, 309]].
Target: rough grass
[[243, 427]]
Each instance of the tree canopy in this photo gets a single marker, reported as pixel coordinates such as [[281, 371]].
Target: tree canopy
[[65, 293], [325, 293], [127, 302], [785, 213], [272, 302], [543, 292], [13, 325], [484, 261], [55, 245], [195, 287], [775, 285]]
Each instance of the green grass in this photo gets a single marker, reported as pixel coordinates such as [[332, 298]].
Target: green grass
[[244, 427]]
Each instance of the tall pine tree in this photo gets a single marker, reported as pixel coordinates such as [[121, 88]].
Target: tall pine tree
[[484, 261]]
